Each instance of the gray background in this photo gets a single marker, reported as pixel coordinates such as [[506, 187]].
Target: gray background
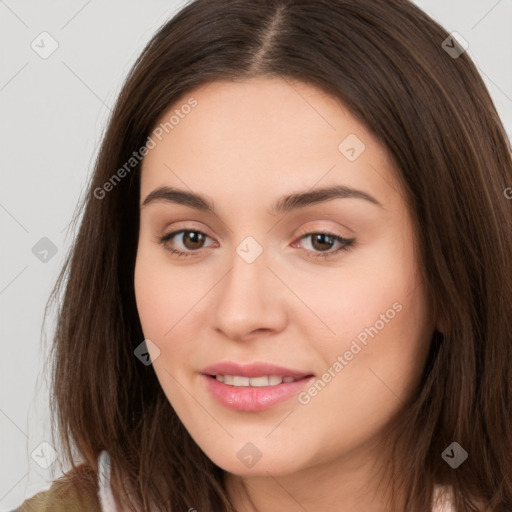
[[53, 113]]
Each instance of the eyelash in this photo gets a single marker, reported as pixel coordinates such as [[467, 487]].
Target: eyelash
[[346, 243]]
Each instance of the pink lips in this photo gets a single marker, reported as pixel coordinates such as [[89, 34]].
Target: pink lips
[[251, 370], [249, 398]]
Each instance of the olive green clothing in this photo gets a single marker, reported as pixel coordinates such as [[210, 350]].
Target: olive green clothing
[[64, 496]]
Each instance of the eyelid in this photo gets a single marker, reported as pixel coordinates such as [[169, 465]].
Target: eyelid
[[180, 226], [323, 230]]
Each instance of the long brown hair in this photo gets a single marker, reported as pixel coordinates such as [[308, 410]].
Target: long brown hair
[[386, 62]]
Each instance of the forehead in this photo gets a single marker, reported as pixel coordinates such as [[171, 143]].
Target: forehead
[[262, 135]]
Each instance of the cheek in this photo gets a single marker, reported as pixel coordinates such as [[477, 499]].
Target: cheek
[[374, 315], [364, 383], [157, 293], [170, 300], [350, 296]]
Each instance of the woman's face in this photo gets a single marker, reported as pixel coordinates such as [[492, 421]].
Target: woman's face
[[264, 279]]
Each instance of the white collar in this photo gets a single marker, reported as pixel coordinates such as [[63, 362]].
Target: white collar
[[105, 492]]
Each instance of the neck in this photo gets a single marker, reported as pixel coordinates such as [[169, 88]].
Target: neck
[[346, 484]]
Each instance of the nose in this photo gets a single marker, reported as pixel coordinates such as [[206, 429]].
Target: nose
[[249, 301]]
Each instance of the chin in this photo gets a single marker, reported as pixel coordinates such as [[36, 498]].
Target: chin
[[248, 460]]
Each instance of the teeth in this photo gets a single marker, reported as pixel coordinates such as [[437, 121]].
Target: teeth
[[240, 381], [258, 381], [265, 380]]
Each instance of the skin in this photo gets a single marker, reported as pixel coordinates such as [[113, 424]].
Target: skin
[[244, 146]]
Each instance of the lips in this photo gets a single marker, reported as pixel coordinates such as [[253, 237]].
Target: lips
[[232, 384], [252, 370]]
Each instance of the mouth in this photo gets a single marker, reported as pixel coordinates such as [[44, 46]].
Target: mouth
[[262, 381], [241, 393]]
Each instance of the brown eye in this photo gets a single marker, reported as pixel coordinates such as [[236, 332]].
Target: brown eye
[[322, 241], [187, 241], [193, 239], [325, 245]]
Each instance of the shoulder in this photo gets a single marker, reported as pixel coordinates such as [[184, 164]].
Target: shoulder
[[73, 492]]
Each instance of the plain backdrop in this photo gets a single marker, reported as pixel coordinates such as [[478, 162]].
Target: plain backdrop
[[53, 112]]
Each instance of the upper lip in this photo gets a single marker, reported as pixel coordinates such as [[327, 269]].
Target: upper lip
[[252, 370]]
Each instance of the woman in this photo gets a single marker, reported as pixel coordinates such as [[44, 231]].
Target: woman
[[291, 288]]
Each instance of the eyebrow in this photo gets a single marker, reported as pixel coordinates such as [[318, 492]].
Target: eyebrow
[[283, 205]]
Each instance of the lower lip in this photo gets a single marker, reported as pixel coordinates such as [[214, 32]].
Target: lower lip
[[249, 398]]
